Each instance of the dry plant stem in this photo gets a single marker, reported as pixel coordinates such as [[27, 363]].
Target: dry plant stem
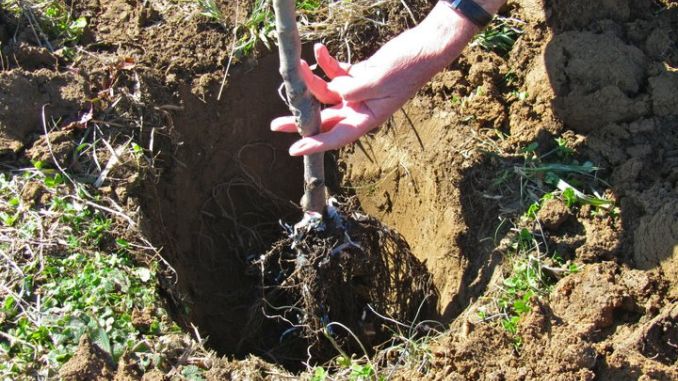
[[303, 105]]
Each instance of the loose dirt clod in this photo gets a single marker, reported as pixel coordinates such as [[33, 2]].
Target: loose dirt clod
[[60, 94], [88, 363], [553, 214]]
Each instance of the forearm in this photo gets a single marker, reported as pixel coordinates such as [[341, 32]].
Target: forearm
[[451, 30], [433, 44], [367, 93]]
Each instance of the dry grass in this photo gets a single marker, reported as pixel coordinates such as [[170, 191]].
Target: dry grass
[[340, 24]]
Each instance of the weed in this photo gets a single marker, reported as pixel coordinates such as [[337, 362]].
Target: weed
[[358, 371], [520, 95], [258, 27], [530, 150], [406, 349], [192, 373], [350, 368], [510, 79], [563, 150], [56, 289], [572, 196], [535, 269], [210, 10], [569, 197], [308, 6], [53, 20], [319, 374], [537, 174], [500, 35], [530, 277], [533, 209], [60, 23]]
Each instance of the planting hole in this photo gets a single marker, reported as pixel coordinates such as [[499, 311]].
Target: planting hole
[[229, 181]]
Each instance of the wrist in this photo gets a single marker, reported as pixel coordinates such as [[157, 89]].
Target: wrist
[[447, 32], [490, 6], [450, 30]]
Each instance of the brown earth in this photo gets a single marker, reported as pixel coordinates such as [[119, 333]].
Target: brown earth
[[601, 74], [89, 363]]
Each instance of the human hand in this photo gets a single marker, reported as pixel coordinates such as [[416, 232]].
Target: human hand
[[366, 94], [363, 96]]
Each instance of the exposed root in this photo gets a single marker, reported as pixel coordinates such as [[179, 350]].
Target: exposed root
[[349, 271]]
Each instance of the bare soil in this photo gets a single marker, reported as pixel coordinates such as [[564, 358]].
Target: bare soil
[[602, 74]]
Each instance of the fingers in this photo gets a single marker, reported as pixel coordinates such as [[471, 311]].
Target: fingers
[[329, 117], [329, 64], [284, 124], [343, 133], [342, 85], [318, 86]]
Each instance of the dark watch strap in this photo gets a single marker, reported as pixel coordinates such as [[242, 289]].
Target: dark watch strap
[[472, 11]]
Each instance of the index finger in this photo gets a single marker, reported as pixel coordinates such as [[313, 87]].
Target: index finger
[[329, 64], [318, 86]]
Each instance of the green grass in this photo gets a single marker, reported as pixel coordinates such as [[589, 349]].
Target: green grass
[[59, 29], [533, 267], [256, 27], [532, 275], [500, 35], [557, 174], [305, 6], [60, 22], [210, 9]]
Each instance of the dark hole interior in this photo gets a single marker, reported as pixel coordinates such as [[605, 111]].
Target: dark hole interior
[[227, 183]]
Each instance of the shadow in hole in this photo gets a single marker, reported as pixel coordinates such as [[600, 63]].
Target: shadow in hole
[[226, 181], [216, 207]]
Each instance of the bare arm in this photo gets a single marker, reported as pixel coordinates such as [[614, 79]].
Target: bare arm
[[367, 93]]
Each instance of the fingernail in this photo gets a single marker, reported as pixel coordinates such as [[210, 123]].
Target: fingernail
[[275, 125], [294, 152]]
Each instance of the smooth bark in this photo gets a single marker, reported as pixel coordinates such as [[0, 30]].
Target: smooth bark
[[303, 105]]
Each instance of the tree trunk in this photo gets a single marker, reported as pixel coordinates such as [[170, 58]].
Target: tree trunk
[[303, 105]]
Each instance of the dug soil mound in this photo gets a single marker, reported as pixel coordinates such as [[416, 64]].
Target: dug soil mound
[[601, 75]]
